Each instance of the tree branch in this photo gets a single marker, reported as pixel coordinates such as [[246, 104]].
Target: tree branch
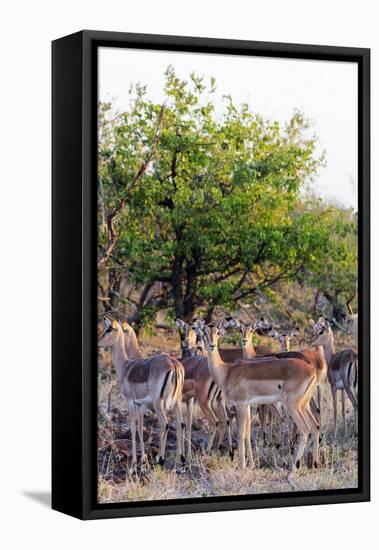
[[112, 216]]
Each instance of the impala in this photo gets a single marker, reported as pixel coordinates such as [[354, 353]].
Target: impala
[[249, 352], [342, 371], [155, 382], [191, 343], [313, 356], [284, 338], [199, 385], [352, 326], [257, 382]]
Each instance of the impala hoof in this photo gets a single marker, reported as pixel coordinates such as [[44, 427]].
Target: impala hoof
[[183, 459]]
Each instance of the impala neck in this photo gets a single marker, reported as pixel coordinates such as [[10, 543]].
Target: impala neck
[[217, 367], [119, 354], [248, 351], [324, 365], [329, 349], [132, 347]]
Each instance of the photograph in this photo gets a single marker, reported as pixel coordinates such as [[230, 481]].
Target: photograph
[[227, 275]]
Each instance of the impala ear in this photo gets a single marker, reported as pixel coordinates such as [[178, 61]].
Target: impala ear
[[274, 333], [232, 322], [125, 326], [179, 323], [115, 324], [198, 323], [198, 331], [223, 324], [107, 322]]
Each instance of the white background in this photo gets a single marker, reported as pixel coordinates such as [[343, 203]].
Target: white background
[[26, 31]]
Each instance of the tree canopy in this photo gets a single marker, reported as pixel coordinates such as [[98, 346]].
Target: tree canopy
[[199, 208]]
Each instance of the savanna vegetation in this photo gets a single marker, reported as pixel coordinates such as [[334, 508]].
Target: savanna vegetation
[[206, 211]]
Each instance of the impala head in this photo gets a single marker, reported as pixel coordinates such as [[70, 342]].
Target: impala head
[[210, 333], [231, 322], [262, 326], [284, 338], [107, 336], [190, 341], [247, 330], [323, 331]]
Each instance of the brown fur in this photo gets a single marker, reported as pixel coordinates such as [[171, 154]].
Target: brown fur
[[346, 355], [139, 371], [199, 384]]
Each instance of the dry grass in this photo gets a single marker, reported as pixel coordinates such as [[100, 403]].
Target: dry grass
[[214, 474]]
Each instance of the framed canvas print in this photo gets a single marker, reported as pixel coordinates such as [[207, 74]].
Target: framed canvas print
[[210, 274]]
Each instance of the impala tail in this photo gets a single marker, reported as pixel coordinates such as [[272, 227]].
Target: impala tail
[[352, 375], [173, 384]]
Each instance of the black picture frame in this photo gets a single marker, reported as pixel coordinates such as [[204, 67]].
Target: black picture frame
[[74, 150]]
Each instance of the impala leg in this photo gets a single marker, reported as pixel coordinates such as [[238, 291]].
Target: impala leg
[[212, 421], [334, 395], [356, 419], [214, 405], [229, 438], [241, 410], [180, 430], [270, 425], [277, 414], [248, 437], [319, 401], [351, 395], [163, 429], [226, 423], [315, 410], [140, 420], [133, 430], [211, 407], [343, 409], [262, 420], [221, 435], [294, 432], [189, 415], [303, 428], [315, 431]]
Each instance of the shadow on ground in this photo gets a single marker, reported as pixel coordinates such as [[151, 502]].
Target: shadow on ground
[[42, 497]]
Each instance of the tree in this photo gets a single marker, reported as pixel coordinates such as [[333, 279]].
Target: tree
[[336, 273], [217, 214]]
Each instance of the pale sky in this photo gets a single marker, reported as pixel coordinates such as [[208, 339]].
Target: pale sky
[[325, 91]]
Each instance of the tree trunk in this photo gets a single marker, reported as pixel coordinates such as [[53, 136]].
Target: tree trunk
[[188, 300], [177, 287], [114, 289], [337, 307]]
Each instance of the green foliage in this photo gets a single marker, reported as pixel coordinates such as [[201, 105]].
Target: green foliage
[[221, 212]]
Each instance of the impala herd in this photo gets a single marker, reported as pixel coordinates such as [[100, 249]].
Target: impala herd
[[284, 385]]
